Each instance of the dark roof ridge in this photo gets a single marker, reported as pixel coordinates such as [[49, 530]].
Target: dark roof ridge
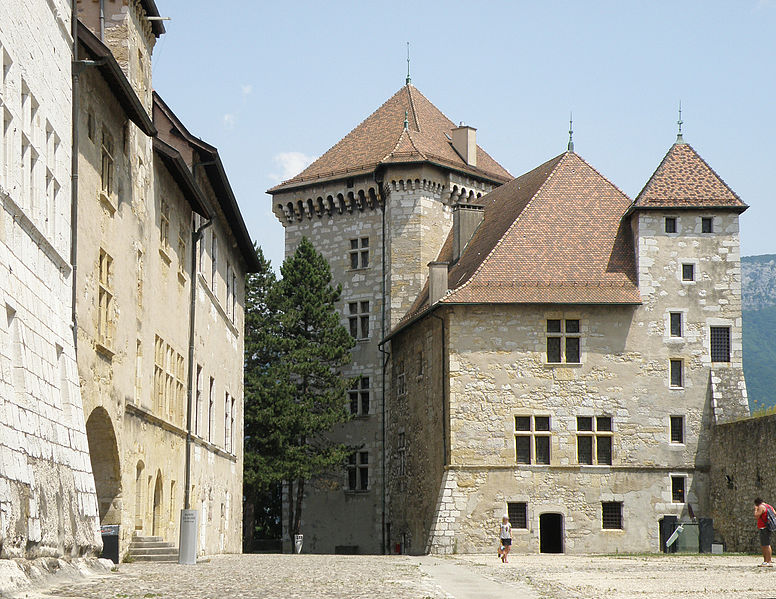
[[410, 87]]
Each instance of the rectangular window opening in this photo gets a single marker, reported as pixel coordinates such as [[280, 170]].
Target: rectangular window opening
[[611, 514], [677, 429], [677, 489], [518, 514], [688, 272], [707, 224], [676, 324], [720, 344], [677, 377], [670, 224]]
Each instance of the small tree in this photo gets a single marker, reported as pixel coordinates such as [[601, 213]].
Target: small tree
[[294, 383]]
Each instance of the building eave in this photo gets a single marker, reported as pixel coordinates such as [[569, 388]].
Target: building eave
[[174, 162]]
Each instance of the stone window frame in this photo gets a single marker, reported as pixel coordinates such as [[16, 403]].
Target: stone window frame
[[671, 362], [670, 222], [421, 363], [728, 343], [681, 274], [401, 453], [616, 519], [182, 252], [358, 394], [357, 479], [533, 433], [707, 224], [595, 433], [105, 302], [676, 489], [358, 254], [358, 312], [671, 322], [565, 336], [401, 379], [673, 419], [107, 170]]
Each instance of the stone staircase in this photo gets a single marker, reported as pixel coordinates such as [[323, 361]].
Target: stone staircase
[[152, 549]]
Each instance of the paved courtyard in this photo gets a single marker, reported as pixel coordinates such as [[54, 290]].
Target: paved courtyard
[[460, 577]]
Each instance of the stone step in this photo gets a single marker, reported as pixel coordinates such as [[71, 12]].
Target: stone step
[[169, 550], [156, 558], [149, 544], [137, 537]]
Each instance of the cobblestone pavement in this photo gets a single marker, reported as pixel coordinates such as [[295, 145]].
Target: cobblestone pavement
[[405, 577]]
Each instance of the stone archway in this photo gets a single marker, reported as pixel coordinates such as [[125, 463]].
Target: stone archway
[[104, 455], [157, 517]]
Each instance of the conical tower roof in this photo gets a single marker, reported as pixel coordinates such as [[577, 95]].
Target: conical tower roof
[[684, 180], [382, 138]]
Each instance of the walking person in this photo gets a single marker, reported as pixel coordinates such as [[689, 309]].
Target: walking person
[[505, 538], [761, 510]]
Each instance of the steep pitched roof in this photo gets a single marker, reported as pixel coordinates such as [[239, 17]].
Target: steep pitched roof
[[554, 235], [382, 139], [684, 180]]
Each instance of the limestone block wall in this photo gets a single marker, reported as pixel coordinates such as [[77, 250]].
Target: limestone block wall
[[47, 499], [742, 459], [334, 516]]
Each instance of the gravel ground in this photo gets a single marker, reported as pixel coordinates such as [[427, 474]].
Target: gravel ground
[[401, 577]]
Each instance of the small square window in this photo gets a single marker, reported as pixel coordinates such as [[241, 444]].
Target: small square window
[[604, 423], [611, 514], [523, 423], [707, 224], [677, 489], [676, 324], [688, 272], [677, 379], [541, 423], [572, 326], [553, 326], [518, 514], [677, 429], [584, 423], [670, 224]]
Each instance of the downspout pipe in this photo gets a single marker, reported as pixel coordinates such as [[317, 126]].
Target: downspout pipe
[[102, 20], [386, 355]]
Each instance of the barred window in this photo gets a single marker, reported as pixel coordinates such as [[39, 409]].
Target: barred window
[[518, 514], [720, 344], [676, 324], [677, 429], [532, 439], [688, 272], [670, 224], [611, 514], [677, 376], [677, 489]]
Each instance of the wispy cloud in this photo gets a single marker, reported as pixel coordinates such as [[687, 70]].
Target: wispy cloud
[[229, 119], [246, 90], [289, 164]]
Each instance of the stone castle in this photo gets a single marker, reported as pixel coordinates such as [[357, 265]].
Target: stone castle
[[541, 346], [124, 379]]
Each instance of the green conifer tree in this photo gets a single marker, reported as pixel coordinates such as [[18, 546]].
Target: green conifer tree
[[294, 388]]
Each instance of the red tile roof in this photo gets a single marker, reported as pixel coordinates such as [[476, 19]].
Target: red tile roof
[[382, 139], [684, 180], [554, 235]]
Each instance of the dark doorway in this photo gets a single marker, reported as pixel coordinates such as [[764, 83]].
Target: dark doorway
[[551, 533], [104, 455]]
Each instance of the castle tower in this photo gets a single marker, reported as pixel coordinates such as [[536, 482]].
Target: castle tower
[[378, 205]]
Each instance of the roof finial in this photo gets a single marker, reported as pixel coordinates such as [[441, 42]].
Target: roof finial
[[406, 120], [571, 132], [409, 79], [680, 122]]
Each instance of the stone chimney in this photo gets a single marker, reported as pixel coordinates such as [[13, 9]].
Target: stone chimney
[[465, 143], [466, 219], [437, 281]]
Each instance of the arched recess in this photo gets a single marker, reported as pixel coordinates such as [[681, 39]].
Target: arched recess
[[139, 499], [104, 455], [157, 522]]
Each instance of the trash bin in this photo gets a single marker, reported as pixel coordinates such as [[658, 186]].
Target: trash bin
[[110, 542]]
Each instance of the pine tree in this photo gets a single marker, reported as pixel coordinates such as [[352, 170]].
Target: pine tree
[[295, 392]]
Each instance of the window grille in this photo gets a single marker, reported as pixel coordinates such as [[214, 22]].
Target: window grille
[[611, 514], [518, 514], [720, 344]]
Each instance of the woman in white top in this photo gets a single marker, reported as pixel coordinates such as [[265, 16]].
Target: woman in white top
[[505, 538]]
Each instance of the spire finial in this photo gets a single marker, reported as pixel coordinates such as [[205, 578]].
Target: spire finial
[[406, 120], [571, 132], [680, 122], [409, 79]]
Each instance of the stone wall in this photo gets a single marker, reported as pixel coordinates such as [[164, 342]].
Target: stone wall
[[48, 505], [742, 467]]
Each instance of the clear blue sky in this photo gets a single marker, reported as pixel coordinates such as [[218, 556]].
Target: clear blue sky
[[273, 84]]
